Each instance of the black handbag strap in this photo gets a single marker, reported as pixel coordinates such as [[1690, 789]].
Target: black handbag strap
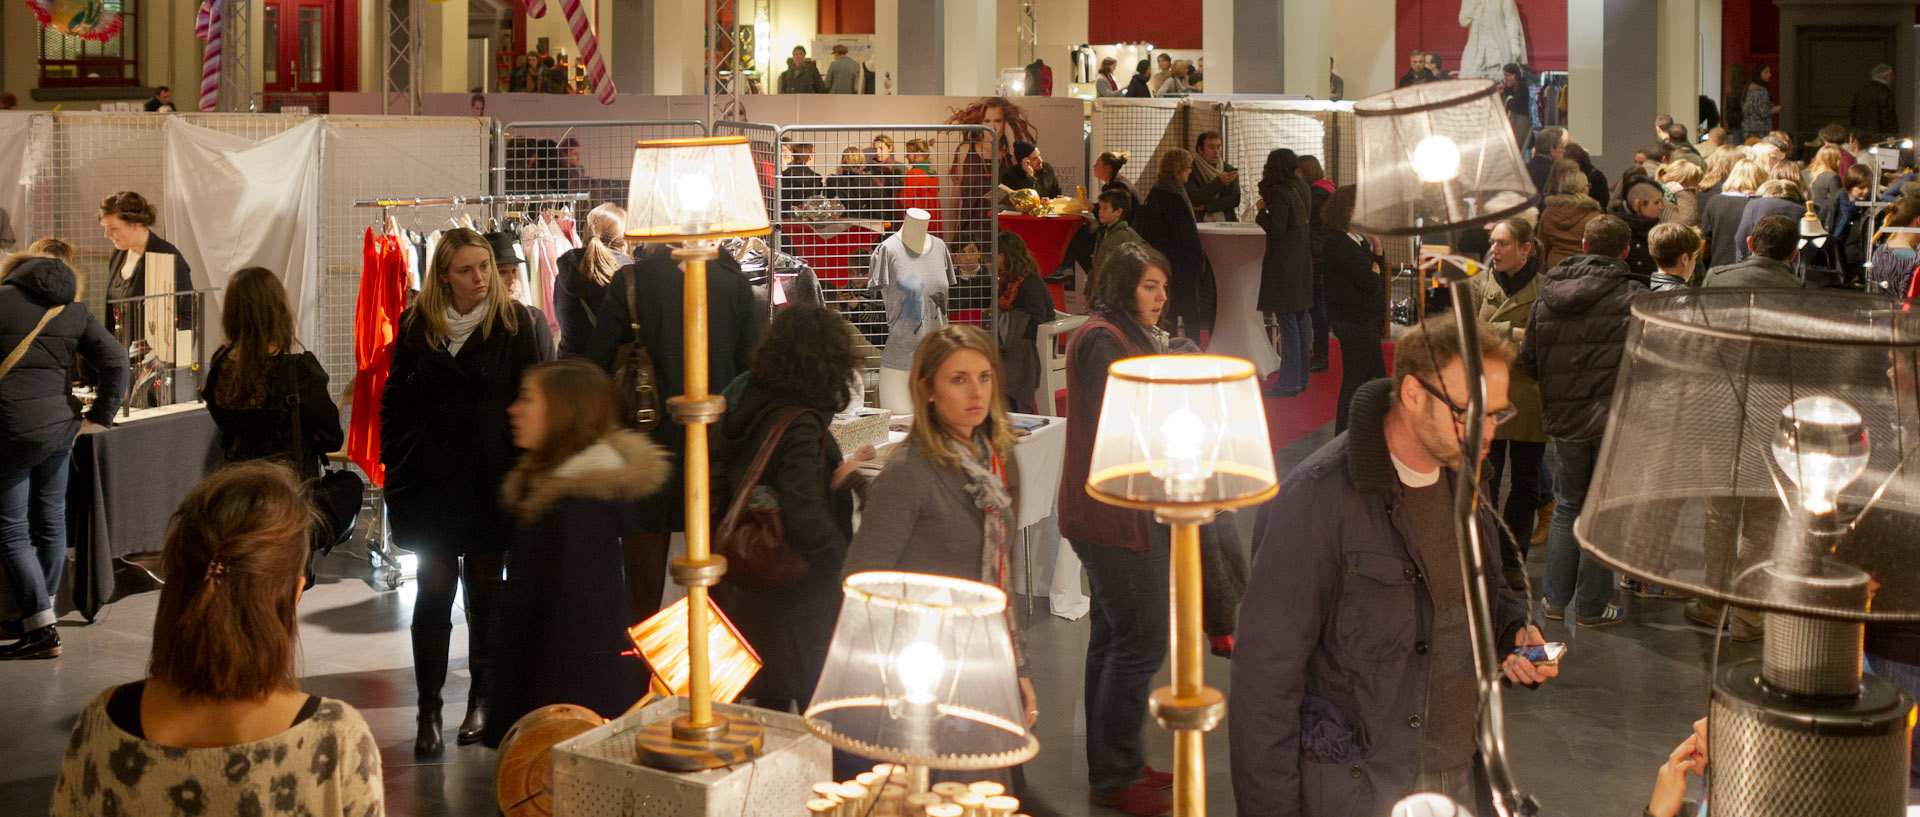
[[300, 460], [633, 303], [751, 479]]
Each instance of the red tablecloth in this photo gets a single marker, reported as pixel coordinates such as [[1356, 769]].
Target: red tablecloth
[[1047, 237]]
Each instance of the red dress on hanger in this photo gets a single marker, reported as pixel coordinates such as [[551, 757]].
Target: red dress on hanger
[[376, 328]]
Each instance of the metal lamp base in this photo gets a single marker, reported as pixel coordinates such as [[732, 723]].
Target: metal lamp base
[[1780, 755], [678, 746]]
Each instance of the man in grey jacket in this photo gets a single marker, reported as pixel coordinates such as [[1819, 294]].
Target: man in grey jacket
[[843, 75], [1357, 688], [1772, 244]]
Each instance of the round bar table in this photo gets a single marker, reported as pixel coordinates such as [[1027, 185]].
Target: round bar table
[[1235, 249]]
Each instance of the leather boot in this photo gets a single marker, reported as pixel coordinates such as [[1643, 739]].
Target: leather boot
[[430, 673], [41, 643], [483, 585]]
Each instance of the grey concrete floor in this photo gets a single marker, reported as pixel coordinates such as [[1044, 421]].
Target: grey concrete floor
[[1585, 745]]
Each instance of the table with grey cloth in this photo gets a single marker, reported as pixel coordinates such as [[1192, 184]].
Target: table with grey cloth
[[126, 483]]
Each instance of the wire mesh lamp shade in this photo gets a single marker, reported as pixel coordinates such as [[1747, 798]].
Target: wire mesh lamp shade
[[921, 672], [1761, 450], [694, 190], [1437, 156], [1182, 431]]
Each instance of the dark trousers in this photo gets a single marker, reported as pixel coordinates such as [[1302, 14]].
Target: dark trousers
[[1126, 647], [1296, 340], [1361, 360], [1319, 313], [1520, 461]]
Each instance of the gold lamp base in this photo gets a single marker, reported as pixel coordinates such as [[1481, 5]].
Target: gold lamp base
[[678, 746]]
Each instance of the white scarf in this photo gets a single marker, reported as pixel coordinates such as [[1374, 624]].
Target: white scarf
[[1204, 169], [459, 326]]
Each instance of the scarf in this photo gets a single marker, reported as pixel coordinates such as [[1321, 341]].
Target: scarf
[[1520, 276], [460, 327], [924, 167], [987, 486], [1204, 169]]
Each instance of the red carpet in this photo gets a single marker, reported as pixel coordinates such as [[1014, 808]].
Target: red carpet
[[1291, 418]]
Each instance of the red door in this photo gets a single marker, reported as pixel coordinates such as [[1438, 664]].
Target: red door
[[307, 46]]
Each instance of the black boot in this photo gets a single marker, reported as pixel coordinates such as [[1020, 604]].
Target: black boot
[[474, 726], [429, 673], [41, 643], [483, 587]]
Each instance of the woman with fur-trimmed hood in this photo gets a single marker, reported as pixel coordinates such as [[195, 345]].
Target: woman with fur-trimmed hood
[[561, 621]]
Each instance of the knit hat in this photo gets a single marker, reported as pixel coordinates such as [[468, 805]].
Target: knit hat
[[1022, 149]]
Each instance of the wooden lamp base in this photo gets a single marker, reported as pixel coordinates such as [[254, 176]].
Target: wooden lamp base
[[677, 746]]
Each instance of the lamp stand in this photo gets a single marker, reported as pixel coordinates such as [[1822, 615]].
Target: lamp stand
[[703, 739], [1189, 708]]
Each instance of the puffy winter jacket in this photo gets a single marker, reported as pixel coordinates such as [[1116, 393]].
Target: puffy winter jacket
[[1576, 336], [37, 417]]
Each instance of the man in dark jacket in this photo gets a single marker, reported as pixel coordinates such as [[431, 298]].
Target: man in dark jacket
[[1873, 111], [1214, 186], [1640, 209], [1576, 336], [38, 423], [1549, 145], [1771, 247], [1359, 686], [801, 76]]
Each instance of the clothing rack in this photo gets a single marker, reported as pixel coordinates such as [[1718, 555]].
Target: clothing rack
[[492, 201]]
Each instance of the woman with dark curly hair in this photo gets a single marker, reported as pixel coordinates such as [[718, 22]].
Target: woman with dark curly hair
[[801, 374]]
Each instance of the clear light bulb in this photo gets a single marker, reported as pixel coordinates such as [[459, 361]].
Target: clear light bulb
[[1436, 159], [1183, 432], [1821, 448], [920, 666], [693, 198]]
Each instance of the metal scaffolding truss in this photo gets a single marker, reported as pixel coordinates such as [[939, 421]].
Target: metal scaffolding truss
[[401, 75], [725, 80], [236, 60], [1029, 34]]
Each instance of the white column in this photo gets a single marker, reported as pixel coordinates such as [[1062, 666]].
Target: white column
[[970, 38], [1363, 45], [886, 46], [1710, 77], [1216, 39], [1677, 62], [1586, 48], [677, 45], [444, 55], [1308, 25]]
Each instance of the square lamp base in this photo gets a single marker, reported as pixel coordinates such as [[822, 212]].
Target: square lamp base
[[600, 771]]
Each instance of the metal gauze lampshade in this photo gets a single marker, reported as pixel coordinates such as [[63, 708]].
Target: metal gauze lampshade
[[1761, 450], [1182, 430], [694, 190], [1437, 156], [921, 672]]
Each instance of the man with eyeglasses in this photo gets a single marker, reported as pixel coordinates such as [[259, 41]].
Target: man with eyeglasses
[[1353, 683], [1576, 336]]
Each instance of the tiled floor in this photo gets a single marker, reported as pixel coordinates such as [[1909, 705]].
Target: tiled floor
[[1587, 744]]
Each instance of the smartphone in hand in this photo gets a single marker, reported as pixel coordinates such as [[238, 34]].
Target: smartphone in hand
[[1543, 655]]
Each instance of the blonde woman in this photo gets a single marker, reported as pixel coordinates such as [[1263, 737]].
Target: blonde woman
[[1563, 222], [446, 444], [1720, 217], [1682, 180], [1824, 172], [584, 273]]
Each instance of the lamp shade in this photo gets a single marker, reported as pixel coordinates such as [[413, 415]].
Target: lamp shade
[[921, 672], [1437, 156], [662, 642], [1182, 431], [1761, 450], [694, 190]]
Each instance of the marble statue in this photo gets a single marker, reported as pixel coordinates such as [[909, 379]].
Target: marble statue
[[1494, 37]]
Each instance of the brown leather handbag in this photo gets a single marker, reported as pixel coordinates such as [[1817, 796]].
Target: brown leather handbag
[[753, 540], [634, 393]]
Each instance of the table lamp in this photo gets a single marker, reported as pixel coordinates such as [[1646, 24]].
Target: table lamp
[[1184, 436], [1438, 157], [662, 642], [695, 192], [921, 673], [1761, 452]]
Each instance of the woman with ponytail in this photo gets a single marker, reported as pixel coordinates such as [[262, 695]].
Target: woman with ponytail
[[220, 725], [584, 273]]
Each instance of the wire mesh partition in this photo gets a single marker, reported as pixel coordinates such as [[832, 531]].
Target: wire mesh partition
[[1255, 129], [594, 158], [1144, 129]]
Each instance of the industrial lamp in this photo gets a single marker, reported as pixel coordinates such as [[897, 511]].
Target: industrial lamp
[[1437, 156], [696, 192], [921, 673], [1184, 436], [1761, 451]]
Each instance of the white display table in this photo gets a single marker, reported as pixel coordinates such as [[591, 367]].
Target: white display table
[[1235, 250]]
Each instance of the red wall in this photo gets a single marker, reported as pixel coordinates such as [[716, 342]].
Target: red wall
[[846, 17], [1750, 35], [1165, 25], [1434, 25]]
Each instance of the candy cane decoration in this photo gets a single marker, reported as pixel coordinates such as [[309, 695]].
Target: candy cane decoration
[[208, 27], [589, 44]]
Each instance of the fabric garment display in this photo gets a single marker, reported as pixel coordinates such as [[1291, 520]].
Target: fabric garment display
[[914, 288], [838, 252], [376, 327], [798, 282]]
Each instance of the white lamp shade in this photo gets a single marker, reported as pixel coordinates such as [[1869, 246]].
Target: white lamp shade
[[1437, 156], [694, 190], [1182, 430], [921, 672]]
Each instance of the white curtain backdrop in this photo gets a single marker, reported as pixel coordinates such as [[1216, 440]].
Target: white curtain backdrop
[[233, 203], [17, 163]]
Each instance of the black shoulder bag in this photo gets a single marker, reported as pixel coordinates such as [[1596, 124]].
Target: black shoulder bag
[[335, 494]]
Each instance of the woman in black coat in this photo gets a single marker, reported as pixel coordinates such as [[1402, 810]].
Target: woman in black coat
[[1138, 87], [560, 629], [1286, 270], [444, 440], [802, 369], [127, 220], [38, 423], [734, 322], [256, 381], [1356, 298], [582, 276], [1165, 222]]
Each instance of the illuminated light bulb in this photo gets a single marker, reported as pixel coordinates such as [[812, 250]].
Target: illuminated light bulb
[[920, 666], [1906, 144], [1436, 159], [1183, 432], [693, 197], [1821, 448]]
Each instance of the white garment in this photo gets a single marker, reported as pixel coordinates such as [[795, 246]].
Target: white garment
[[1412, 478], [17, 162], [1494, 37], [233, 202], [459, 326]]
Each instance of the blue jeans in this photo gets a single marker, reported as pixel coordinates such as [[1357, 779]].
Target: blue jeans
[[1573, 577], [33, 535], [1296, 342], [1907, 678], [1126, 647]]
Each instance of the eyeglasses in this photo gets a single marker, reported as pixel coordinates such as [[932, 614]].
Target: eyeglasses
[[1460, 413]]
